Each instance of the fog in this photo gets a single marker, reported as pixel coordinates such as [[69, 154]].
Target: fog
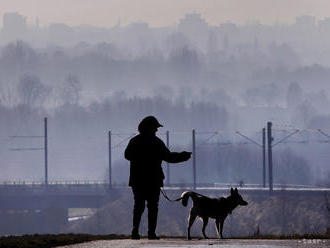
[[226, 78]]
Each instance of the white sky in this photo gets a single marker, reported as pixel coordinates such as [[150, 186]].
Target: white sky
[[163, 12]]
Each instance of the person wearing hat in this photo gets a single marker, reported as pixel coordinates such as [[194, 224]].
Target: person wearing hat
[[146, 152]]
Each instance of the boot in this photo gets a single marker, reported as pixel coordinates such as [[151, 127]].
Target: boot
[[152, 223], [152, 236], [136, 223], [135, 234]]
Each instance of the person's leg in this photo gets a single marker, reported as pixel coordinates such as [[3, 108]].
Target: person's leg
[[139, 205], [152, 204]]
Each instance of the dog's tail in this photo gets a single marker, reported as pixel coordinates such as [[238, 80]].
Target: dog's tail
[[185, 197]]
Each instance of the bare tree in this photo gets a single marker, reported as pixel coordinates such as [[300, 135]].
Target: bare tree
[[8, 95], [71, 91], [294, 95], [31, 91]]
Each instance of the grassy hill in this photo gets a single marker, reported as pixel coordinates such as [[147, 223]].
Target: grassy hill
[[280, 214]]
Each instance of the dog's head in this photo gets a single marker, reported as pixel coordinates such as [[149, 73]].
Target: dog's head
[[237, 197]]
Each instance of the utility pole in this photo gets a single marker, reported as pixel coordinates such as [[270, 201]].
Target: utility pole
[[270, 153], [264, 157], [270, 157], [194, 156], [168, 165], [110, 160], [46, 150]]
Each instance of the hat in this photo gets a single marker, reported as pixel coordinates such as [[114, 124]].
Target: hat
[[148, 122]]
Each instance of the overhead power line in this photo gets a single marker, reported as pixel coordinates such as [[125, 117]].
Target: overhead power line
[[286, 137]]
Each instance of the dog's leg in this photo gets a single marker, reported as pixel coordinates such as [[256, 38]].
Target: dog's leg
[[222, 220], [217, 225], [205, 221], [192, 217]]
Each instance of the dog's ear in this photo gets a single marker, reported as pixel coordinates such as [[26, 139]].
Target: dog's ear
[[231, 191], [236, 190]]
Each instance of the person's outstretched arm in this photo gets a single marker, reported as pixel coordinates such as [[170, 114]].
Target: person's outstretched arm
[[175, 157]]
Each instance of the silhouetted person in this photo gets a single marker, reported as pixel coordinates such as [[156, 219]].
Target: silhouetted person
[[146, 152]]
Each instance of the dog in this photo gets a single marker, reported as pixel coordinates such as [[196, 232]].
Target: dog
[[216, 208]]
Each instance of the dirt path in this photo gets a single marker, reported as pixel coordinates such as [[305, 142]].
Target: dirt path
[[230, 243]]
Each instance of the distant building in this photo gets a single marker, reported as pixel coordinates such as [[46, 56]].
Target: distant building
[[192, 23], [324, 24], [37, 22], [60, 32], [212, 45], [305, 22], [229, 32], [195, 28], [14, 26], [14, 21], [139, 27]]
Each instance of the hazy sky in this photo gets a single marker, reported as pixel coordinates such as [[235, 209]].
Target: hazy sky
[[163, 12]]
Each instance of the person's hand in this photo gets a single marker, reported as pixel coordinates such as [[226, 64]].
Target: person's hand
[[186, 155]]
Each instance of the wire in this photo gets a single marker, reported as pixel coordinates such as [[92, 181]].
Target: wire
[[26, 149], [206, 141], [122, 134], [326, 135], [122, 141], [26, 136], [286, 137], [251, 140]]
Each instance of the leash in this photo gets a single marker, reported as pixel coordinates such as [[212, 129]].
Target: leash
[[167, 198]]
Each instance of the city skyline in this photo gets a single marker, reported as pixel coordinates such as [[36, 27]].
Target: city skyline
[[163, 13]]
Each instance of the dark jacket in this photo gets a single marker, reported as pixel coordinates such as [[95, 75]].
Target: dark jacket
[[146, 153]]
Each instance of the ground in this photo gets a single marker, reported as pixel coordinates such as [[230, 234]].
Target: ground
[[182, 243]]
